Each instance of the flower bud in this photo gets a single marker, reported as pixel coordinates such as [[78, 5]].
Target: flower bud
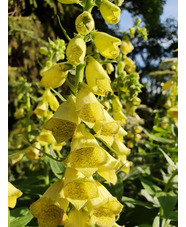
[[68, 1], [54, 77], [109, 68], [97, 78], [107, 45], [110, 12], [84, 23], [126, 47], [76, 51]]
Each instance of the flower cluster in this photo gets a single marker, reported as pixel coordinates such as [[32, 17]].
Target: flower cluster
[[96, 135]]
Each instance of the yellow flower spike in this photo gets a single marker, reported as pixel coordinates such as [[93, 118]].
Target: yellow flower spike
[[49, 97], [41, 109], [68, 1], [107, 45], [50, 209], [88, 107], [32, 152], [77, 218], [84, 23], [76, 51], [109, 68], [55, 76], [105, 130], [13, 194], [64, 121], [126, 47], [97, 78], [110, 12], [86, 155], [104, 208], [130, 66]]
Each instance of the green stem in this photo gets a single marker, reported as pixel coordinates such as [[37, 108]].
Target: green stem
[[64, 31], [59, 95], [79, 75], [89, 4], [170, 179]]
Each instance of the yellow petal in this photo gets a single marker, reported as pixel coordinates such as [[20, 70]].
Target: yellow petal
[[109, 176], [84, 23], [110, 12], [88, 107], [54, 77], [13, 194], [76, 51], [126, 167], [77, 218], [107, 45], [97, 78], [64, 121], [41, 109], [48, 212], [32, 152], [126, 47], [49, 97]]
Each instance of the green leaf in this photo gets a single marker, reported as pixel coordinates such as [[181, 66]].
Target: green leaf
[[57, 167], [173, 215], [158, 138], [19, 217], [156, 222], [151, 188], [127, 200], [167, 202], [171, 163]]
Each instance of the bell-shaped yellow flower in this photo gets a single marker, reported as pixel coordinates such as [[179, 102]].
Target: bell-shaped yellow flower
[[110, 12], [55, 76], [50, 209], [88, 107], [86, 155], [97, 78], [126, 47], [68, 1], [50, 98], [13, 194], [105, 130], [77, 188], [104, 208], [84, 23], [32, 152], [76, 51], [41, 110], [64, 121], [77, 218], [130, 66], [107, 45]]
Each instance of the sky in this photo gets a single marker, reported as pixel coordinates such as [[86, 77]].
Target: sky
[[170, 11]]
